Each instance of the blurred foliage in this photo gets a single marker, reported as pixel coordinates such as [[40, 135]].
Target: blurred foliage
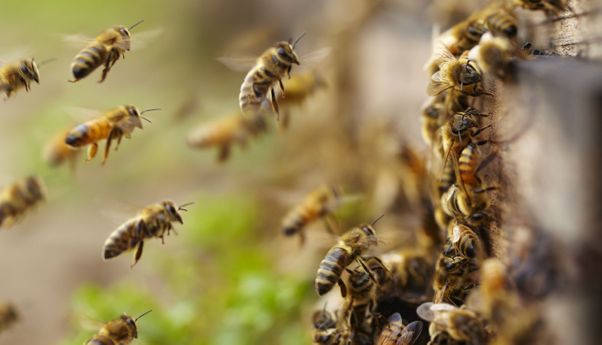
[[222, 288]]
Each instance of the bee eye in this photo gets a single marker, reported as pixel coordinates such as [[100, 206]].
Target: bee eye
[[281, 51]]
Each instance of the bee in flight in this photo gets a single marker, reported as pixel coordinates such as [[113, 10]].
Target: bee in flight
[[18, 198], [112, 125], [350, 247], [153, 221], [225, 132], [120, 331], [18, 75], [58, 152], [8, 316], [395, 333], [319, 204], [105, 49]]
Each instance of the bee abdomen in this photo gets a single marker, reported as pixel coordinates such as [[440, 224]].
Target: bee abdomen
[[100, 340], [293, 224], [78, 136], [467, 166], [87, 60], [121, 240], [331, 268]]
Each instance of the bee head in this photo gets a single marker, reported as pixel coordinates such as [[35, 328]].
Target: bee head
[[171, 209], [130, 324], [124, 35], [29, 68], [286, 52], [461, 123], [370, 234], [134, 115]]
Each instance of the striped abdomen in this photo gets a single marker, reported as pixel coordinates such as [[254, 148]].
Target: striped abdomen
[[122, 239], [467, 164], [331, 267], [254, 89], [100, 340], [87, 60], [89, 132], [503, 22], [296, 220]]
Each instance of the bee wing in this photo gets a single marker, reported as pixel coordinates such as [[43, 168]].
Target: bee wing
[[77, 40], [312, 58], [143, 39], [15, 55], [437, 85], [425, 311], [238, 64], [410, 333], [81, 114]]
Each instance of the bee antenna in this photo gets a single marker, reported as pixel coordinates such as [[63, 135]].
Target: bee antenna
[[136, 24], [147, 110], [377, 219], [298, 39], [46, 61], [181, 207], [146, 119], [146, 312]]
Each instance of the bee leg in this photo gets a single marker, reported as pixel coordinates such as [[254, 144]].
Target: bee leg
[[360, 260], [302, 238], [288, 71], [92, 151], [108, 145], [281, 86], [342, 287], [138, 253], [108, 64], [223, 153], [275, 104], [118, 142]]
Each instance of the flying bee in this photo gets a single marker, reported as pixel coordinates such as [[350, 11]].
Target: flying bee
[[395, 333], [550, 7], [120, 331], [58, 152], [299, 88], [20, 197], [19, 75], [153, 221], [319, 204], [8, 316], [461, 324], [350, 247], [225, 132], [271, 66], [456, 75], [112, 125], [106, 49]]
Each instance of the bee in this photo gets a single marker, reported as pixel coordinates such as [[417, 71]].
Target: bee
[[457, 75], [395, 333], [550, 7], [271, 67], [120, 331], [20, 197], [464, 35], [493, 55], [225, 132], [410, 272], [8, 316], [501, 21], [432, 113], [58, 152], [298, 89], [18, 75], [350, 247], [465, 241], [461, 324], [361, 301], [455, 276], [106, 49], [153, 221], [112, 125], [319, 204]]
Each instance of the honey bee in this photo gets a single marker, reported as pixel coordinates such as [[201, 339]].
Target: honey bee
[[8, 316], [410, 272], [461, 324], [432, 113], [298, 89], [350, 247], [455, 276], [18, 75], [464, 35], [395, 333], [120, 331], [112, 125], [106, 49], [361, 301], [20, 197], [319, 204], [272, 65], [550, 7], [501, 21], [493, 55], [225, 132], [465, 241], [457, 75], [153, 221], [58, 152]]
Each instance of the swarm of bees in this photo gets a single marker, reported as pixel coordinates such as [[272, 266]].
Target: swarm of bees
[[450, 281]]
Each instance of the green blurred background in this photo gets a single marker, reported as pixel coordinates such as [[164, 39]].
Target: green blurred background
[[229, 277]]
